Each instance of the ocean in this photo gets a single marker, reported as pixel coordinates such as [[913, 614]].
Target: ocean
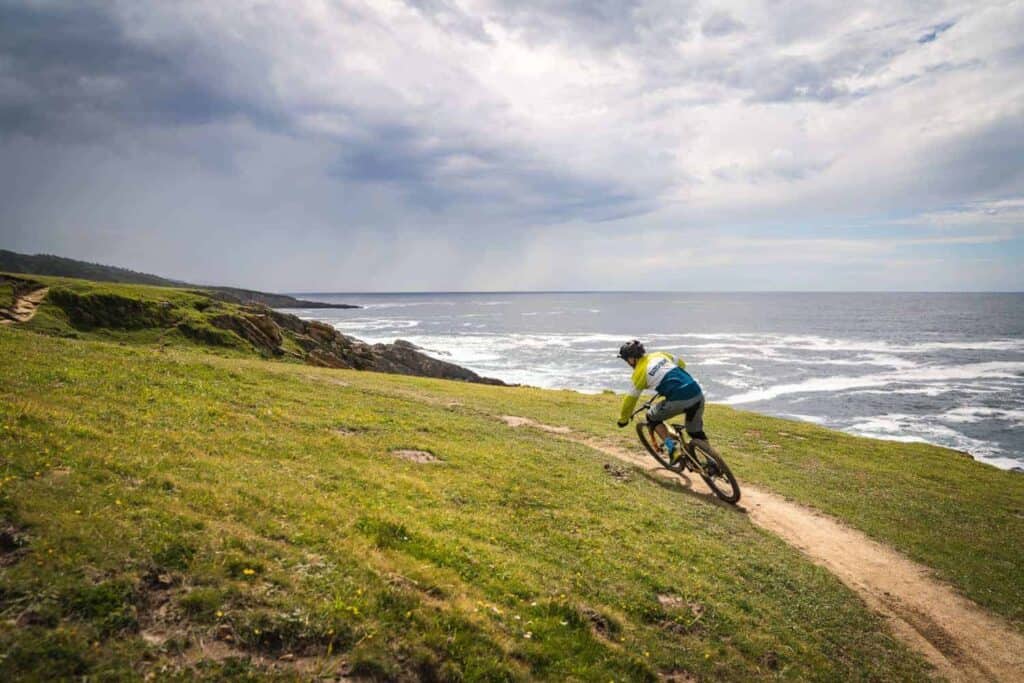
[[941, 368]]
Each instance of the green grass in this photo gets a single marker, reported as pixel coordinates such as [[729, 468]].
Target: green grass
[[960, 517], [137, 315], [166, 490], [6, 294]]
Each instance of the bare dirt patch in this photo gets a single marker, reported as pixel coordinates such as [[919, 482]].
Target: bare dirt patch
[[420, 457], [24, 307], [671, 601], [677, 676], [327, 379], [963, 641], [513, 421], [618, 472]]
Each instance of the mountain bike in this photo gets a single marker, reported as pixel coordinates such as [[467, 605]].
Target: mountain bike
[[695, 457]]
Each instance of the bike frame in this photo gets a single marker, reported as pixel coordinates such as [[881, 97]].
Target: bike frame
[[683, 442]]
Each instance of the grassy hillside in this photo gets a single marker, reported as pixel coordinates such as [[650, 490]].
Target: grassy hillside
[[175, 505], [138, 314], [6, 294], [960, 517], [174, 513]]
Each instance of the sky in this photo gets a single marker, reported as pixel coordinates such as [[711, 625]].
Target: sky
[[424, 145]]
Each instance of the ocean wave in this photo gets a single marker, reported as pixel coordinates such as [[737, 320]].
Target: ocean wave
[[920, 429], [971, 414], [774, 345], [971, 371], [813, 419], [747, 340], [930, 391], [360, 325], [404, 304]]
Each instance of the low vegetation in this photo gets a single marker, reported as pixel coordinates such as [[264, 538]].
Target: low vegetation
[[181, 510], [958, 516], [170, 512], [6, 294]]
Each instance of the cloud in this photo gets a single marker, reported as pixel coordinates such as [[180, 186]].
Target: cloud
[[936, 31], [721, 24], [507, 133], [69, 69]]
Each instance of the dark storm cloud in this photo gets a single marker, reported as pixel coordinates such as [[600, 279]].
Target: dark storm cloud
[[439, 176], [73, 73], [69, 69], [284, 131]]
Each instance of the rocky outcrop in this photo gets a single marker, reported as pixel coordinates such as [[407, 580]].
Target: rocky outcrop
[[207, 319], [257, 329], [323, 345], [405, 358]]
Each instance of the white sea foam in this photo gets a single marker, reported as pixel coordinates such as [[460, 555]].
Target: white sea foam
[[970, 414], [363, 325], [734, 382], [971, 371], [806, 418], [931, 391], [920, 429], [818, 343]]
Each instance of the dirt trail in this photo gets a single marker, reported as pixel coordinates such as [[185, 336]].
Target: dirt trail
[[24, 307], [962, 641]]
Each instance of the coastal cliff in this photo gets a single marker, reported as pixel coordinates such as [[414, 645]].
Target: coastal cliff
[[162, 315]]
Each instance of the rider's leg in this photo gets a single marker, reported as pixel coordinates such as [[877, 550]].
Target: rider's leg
[[661, 430], [656, 420], [695, 421]]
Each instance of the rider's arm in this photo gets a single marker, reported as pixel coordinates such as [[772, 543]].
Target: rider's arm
[[628, 404], [639, 384]]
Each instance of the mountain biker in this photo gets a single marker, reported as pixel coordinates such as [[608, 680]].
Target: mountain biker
[[666, 375]]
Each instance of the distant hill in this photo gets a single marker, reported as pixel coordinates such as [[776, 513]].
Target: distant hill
[[48, 264]]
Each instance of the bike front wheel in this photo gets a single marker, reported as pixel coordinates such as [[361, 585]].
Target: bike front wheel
[[715, 473], [653, 444]]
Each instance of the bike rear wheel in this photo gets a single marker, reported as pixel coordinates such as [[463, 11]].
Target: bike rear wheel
[[652, 442], [715, 473]]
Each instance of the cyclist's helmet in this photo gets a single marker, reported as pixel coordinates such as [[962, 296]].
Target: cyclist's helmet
[[631, 349]]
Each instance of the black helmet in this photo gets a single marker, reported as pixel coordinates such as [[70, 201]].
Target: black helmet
[[631, 349]]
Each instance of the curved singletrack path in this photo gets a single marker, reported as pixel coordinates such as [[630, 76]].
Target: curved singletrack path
[[24, 307], [962, 640]]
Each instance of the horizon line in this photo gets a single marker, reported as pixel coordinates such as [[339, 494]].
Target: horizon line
[[654, 291]]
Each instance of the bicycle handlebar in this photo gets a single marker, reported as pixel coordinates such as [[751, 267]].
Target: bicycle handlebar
[[643, 408]]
